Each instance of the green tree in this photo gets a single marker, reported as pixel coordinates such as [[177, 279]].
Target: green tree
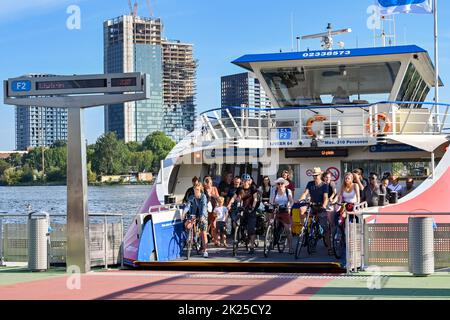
[[111, 156], [3, 166], [91, 176], [142, 161], [15, 160], [56, 157], [27, 174], [11, 176], [55, 174], [134, 146], [160, 144]]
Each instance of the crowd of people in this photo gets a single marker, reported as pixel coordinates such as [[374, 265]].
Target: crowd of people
[[216, 207]]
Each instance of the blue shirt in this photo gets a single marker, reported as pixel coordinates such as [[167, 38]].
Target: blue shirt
[[317, 191], [198, 207]]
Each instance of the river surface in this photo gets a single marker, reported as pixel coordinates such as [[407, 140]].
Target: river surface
[[111, 199]]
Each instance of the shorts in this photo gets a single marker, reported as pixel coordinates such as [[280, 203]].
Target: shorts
[[221, 227], [322, 217], [285, 217], [251, 222], [203, 223]]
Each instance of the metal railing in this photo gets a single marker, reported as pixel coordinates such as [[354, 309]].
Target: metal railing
[[337, 121], [106, 238], [385, 245]]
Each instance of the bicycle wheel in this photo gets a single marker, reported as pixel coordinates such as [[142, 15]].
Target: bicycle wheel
[[325, 237], [282, 238], [237, 239], [300, 242], [189, 242], [339, 243], [268, 241], [312, 239], [257, 241]]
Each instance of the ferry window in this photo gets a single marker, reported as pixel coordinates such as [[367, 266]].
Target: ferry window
[[343, 84], [417, 169], [413, 88]]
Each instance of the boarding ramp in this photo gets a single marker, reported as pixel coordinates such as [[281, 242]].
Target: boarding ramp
[[162, 241]]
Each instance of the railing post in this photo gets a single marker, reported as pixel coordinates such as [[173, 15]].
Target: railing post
[[2, 263], [394, 119], [105, 234], [347, 244], [121, 242], [354, 244]]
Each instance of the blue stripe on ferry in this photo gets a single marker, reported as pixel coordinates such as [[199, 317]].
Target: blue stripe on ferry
[[326, 54]]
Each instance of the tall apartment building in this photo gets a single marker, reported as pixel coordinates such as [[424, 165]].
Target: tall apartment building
[[242, 89], [40, 126], [179, 70], [135, 44]]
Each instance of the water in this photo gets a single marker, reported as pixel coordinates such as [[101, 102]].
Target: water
[[111, 199]]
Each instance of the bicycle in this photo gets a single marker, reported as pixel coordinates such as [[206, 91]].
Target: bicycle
[[339, 232], [276, 233], [311, 231], [302, 240], [193, 239], [241, 236]]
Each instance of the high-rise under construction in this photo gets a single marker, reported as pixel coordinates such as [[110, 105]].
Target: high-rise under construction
[[135, 44]]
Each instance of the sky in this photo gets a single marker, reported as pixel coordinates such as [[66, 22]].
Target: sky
[[34, 38]]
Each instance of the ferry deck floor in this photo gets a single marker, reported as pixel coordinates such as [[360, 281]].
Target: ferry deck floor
[[221, 259], [197, 284]]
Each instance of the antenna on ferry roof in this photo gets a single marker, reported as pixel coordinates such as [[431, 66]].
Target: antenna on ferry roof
[[327, 37]]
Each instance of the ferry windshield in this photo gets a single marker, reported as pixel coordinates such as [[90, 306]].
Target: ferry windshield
[[338, 84]]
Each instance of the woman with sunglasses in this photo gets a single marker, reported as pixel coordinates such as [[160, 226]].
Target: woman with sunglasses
[[283, 198]]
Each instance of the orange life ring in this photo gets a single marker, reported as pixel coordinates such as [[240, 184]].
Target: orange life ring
[[308, 128], [382, 117]]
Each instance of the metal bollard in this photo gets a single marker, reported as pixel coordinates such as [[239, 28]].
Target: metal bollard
[[38, 232], [421, 246]]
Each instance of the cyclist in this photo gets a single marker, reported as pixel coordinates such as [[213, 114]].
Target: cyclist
[[197, 206], [265, 190], [350, 192], [250, 202], [190, 191], [283, 198], [318, 191]]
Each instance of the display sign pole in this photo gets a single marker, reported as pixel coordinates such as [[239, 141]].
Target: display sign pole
[[78, 253], [76, 93]]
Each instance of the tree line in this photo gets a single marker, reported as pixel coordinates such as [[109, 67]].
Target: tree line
[[108, 156]]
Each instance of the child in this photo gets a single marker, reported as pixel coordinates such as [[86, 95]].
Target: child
[[221, 217]]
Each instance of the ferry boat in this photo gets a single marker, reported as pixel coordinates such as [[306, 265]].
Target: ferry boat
[[335, 109]]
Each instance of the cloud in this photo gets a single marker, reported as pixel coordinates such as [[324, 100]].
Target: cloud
[[13, 9]]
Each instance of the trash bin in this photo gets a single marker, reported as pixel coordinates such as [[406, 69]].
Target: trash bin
[[421, 246], [38, 232], [381, 200], [169, 199], [393, 197]]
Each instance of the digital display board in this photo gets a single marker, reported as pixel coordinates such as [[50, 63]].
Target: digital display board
[[315, 153], [71, 84], [123, 82]]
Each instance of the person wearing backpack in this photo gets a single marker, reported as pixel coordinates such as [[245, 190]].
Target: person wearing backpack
[[282, 196]]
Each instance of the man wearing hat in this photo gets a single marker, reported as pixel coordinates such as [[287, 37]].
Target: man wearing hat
[[317, 190]]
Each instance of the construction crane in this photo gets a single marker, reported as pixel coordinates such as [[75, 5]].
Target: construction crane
[[327, 37], [150, 8], [133, 8]]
